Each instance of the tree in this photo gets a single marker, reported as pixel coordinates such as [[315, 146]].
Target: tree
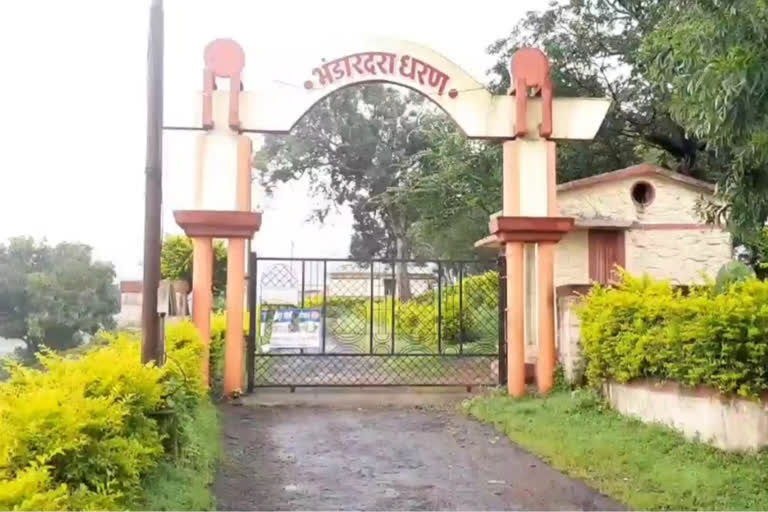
[[176, 261], [54, 295], [710, 57], [354, 146], [593, 46], [455, 188]]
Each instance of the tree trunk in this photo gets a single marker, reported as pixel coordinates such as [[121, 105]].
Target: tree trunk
[[403, 281]]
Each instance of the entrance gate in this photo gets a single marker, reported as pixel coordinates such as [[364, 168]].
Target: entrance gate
[[338, 322]]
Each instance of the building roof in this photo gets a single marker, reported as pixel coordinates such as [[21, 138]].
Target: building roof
[[131, 286], [636, 171], [377, 275]]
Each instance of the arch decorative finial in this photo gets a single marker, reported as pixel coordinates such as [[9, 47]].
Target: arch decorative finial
[[224, 58], [530, 70]]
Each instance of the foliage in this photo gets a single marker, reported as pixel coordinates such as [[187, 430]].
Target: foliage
[[593, 49], [732, 272], [455, 188], [176, 261], [646, 328], [759, 253], [645, 467], [710, 57], [216, 350], [183, 482], [83, 432], [353, 146], [54, 294], [416, 320]]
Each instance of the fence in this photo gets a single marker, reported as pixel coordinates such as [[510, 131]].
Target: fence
[[333, 322]]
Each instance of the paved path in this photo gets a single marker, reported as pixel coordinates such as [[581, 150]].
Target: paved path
[[322, 458]]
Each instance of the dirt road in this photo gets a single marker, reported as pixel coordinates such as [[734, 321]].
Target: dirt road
[[322, 458]]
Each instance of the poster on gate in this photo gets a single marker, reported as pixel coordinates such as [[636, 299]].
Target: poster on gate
[[292, 328]]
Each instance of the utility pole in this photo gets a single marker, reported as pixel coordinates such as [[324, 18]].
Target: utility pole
[[153, 198]]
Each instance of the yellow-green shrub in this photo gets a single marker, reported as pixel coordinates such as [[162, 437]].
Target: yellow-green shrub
[[216, 348], [416, 320], [648, 328], [80, 432]]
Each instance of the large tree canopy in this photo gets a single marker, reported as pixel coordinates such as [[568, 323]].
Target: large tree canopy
[[418, 187], [52, 295], [452, 192], [353, 146], [593, 47], [710, 58]]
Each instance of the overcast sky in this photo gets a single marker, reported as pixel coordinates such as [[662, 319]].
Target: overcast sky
[[72, 123]]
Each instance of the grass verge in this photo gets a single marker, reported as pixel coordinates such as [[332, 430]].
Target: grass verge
[[646, 467], [183, 482]]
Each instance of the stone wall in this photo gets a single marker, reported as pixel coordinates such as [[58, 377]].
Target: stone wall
[[568, 332], [730, 423], [572, 258], [680, 255], [673, 202]]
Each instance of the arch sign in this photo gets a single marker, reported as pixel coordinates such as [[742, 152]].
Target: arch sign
[[527, 120]]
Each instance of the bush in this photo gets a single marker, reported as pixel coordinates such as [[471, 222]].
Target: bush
[[732, 272], [176, 262], [416, 320], [646, 328], [216, 349], [82, 432]]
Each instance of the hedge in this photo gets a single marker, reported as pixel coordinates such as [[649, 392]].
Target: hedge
[[416, 319], [82, 432], [646, 328]]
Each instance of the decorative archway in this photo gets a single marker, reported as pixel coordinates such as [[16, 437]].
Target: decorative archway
[[528, 125]]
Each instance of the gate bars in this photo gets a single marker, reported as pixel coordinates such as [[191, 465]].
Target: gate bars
[[378, 322]]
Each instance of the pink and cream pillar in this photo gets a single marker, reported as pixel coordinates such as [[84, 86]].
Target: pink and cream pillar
[[529, 123], [530, 216], [222, 208]]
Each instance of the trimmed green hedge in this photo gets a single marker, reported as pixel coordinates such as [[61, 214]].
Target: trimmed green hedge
[[648, 328], [416, 319]]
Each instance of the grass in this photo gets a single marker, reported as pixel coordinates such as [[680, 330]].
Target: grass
[[643, 466], [184, 482]]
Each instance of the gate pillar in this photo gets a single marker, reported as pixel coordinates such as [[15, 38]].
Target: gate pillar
[[222, 208], [202, 296]]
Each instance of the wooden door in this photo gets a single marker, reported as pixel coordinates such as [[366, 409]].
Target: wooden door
[[606, 251]]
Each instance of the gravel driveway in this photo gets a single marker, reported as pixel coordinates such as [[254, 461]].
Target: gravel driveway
[[325, 458]]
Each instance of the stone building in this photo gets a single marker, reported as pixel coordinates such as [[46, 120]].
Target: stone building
[[643, 219]]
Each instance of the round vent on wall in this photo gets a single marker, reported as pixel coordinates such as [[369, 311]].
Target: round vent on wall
[[643, 194]]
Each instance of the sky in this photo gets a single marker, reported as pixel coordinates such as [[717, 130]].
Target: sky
[[73, 130]]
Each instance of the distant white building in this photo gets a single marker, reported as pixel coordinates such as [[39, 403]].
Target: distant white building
[[131, 302], [8, 347], [357, 283]]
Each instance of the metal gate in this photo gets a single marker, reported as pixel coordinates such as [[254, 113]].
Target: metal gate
[[338, 322]]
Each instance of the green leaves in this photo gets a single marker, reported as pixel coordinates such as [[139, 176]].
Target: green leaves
[[646, 328], [712, 60], [352, 147], [176, 261], [52, 295]]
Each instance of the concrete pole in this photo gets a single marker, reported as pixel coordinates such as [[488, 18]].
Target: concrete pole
[[202, 295], [233, 350], [515, 275], [153, 190], [545, 366]]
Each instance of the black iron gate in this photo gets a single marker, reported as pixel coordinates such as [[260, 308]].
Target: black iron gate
[[337, 322]]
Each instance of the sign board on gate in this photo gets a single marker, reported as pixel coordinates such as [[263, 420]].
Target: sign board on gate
[[291, 328]]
